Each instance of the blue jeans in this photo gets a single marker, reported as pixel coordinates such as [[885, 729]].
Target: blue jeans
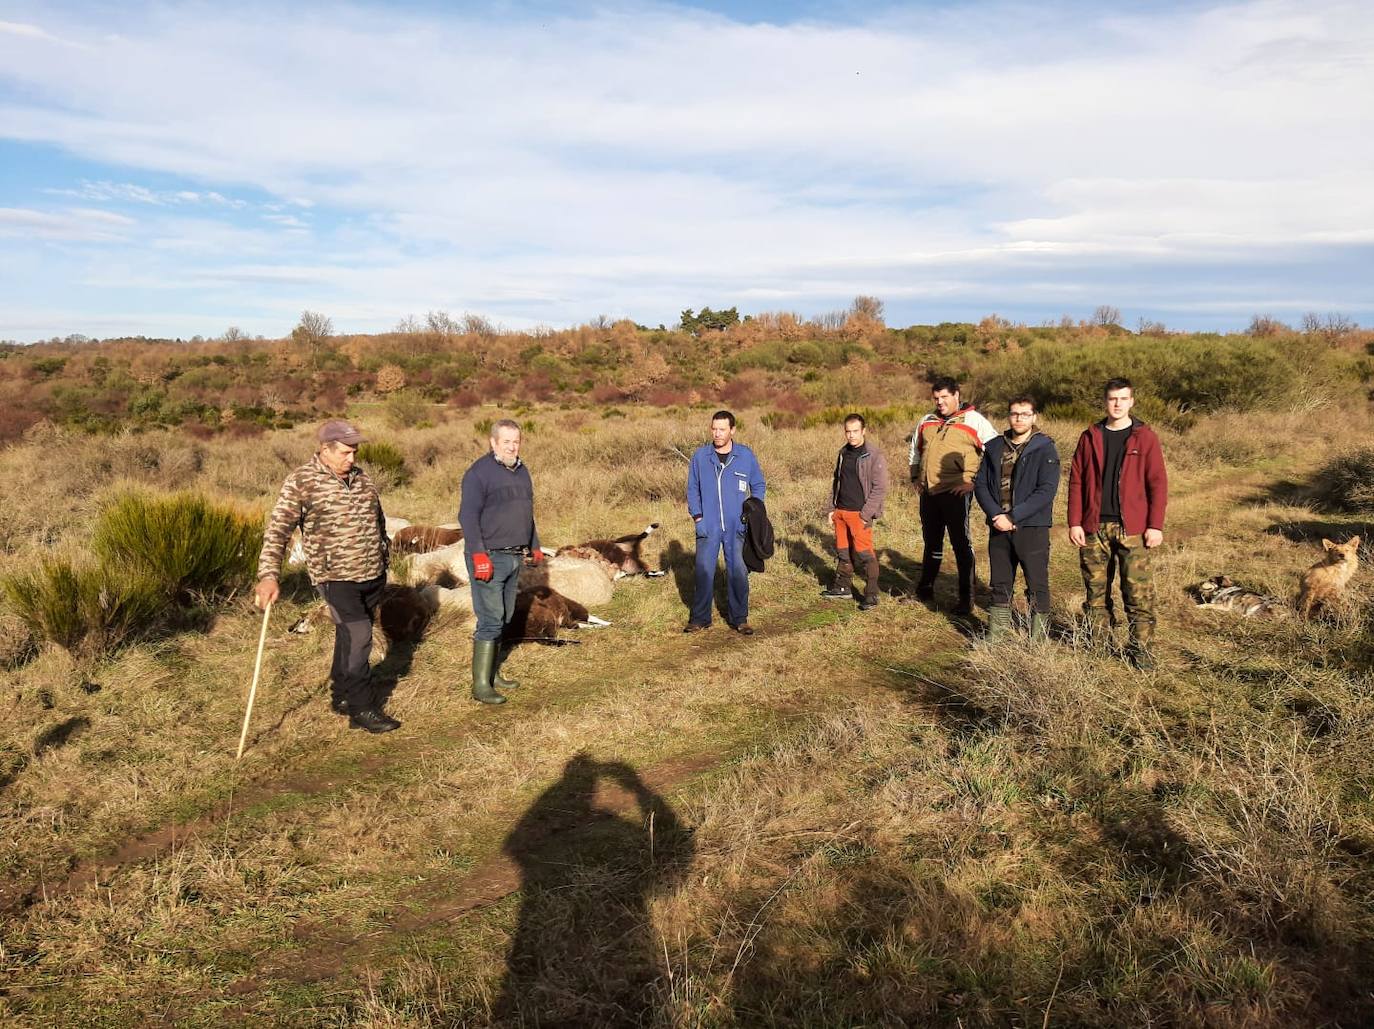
[[494, 600], [737, 576]]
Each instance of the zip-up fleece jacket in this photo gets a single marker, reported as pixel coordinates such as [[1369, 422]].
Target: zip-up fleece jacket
[[945, 451], [1034, 481], [716, 492], [343, 529], [1144, 483], [873, 480], [496, 506]]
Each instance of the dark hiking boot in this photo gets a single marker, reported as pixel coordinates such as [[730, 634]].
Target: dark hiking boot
[[691, 627], [372, 721], [483, 661], [964, 608], [838, 593], [1142, 660], [744, 629], [339, 706], [868, 603]]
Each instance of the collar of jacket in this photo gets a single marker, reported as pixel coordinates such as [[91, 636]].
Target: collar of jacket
[[507, 467], [945, 421], [863, 450], [346, 478], [1135, 424]]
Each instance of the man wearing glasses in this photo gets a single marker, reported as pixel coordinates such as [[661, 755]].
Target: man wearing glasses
[[1015, 487]]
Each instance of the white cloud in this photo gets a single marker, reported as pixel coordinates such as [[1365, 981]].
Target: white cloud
[[637, 155], [72, 224]]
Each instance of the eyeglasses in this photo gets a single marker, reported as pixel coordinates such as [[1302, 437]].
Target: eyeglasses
[[1022, 414]]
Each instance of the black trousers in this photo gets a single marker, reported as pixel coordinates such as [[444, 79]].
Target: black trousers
[[352, 607], [943, 513], [1028, 547]]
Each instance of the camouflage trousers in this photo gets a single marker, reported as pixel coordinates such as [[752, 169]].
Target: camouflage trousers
[[1109, 552]]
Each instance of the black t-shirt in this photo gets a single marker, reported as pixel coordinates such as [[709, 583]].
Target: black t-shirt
[[723, 456], [851, 496], [1113, 450]]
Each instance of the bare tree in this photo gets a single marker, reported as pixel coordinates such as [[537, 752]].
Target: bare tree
[[870, 308], [1263, 325], [313, 328], [441, 324], [1333, 326], [1106, 314], [409, 325], [1152, 328], [477, 325], [234, 334]]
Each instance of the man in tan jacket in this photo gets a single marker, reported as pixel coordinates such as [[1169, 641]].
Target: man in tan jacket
[[343, 532], [946, 449]]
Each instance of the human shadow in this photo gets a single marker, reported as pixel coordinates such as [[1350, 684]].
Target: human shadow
[[903, 573], [1311, 530], [814, 564], [395, 666], [680, 563], [592, 850]]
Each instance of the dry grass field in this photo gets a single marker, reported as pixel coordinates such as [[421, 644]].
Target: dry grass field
[[850, 819]]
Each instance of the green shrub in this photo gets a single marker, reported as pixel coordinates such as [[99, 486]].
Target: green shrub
[[405, 409], [89, 609], [186, 545], [385, 463]]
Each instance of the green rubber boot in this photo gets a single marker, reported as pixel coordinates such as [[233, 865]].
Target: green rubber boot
[[1039, 627], [483, 662], [999, 624], [497, 679]]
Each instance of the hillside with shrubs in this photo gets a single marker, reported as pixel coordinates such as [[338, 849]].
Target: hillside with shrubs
[[793, 369]]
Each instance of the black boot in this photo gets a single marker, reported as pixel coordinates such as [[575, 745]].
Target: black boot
[[842, 587], [925, 589], [372, 721], [483, 661], [870, 570]]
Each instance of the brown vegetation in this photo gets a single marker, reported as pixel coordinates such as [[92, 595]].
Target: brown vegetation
[[848, 819]]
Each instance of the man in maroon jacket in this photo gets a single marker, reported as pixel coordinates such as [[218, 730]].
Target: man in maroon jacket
[[1118, 491]]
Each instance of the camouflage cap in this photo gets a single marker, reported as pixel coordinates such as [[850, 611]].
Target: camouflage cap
[[336, 430]]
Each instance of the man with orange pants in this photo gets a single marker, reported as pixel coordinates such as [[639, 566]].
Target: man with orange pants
[[857, 492]]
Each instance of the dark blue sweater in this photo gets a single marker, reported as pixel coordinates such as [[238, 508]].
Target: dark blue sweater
[[496, 509], [1034, 481]]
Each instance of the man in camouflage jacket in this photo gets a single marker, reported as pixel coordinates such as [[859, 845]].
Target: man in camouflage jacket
[[338, 511]]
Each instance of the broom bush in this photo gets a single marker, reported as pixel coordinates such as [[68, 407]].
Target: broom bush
[[185, 544], [88, 608], [385, 464]]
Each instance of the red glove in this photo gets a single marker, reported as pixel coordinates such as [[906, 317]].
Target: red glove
[[481, 566], [536, 555]]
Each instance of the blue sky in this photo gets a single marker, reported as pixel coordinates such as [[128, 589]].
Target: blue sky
[[175, 169]]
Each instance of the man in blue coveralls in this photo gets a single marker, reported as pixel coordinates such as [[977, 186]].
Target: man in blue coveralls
[[723, 475]]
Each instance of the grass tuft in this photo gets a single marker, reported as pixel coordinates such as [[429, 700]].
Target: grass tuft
[[187, 545], [87, 608]]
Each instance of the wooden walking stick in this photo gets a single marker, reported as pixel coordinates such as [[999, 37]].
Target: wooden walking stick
[[257, 671]]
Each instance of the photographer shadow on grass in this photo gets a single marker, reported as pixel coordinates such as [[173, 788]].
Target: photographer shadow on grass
[[592, 850]]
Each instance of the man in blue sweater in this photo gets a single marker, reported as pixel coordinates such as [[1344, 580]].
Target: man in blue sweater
[[1015, 487], [496, 512], [722, 476]]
